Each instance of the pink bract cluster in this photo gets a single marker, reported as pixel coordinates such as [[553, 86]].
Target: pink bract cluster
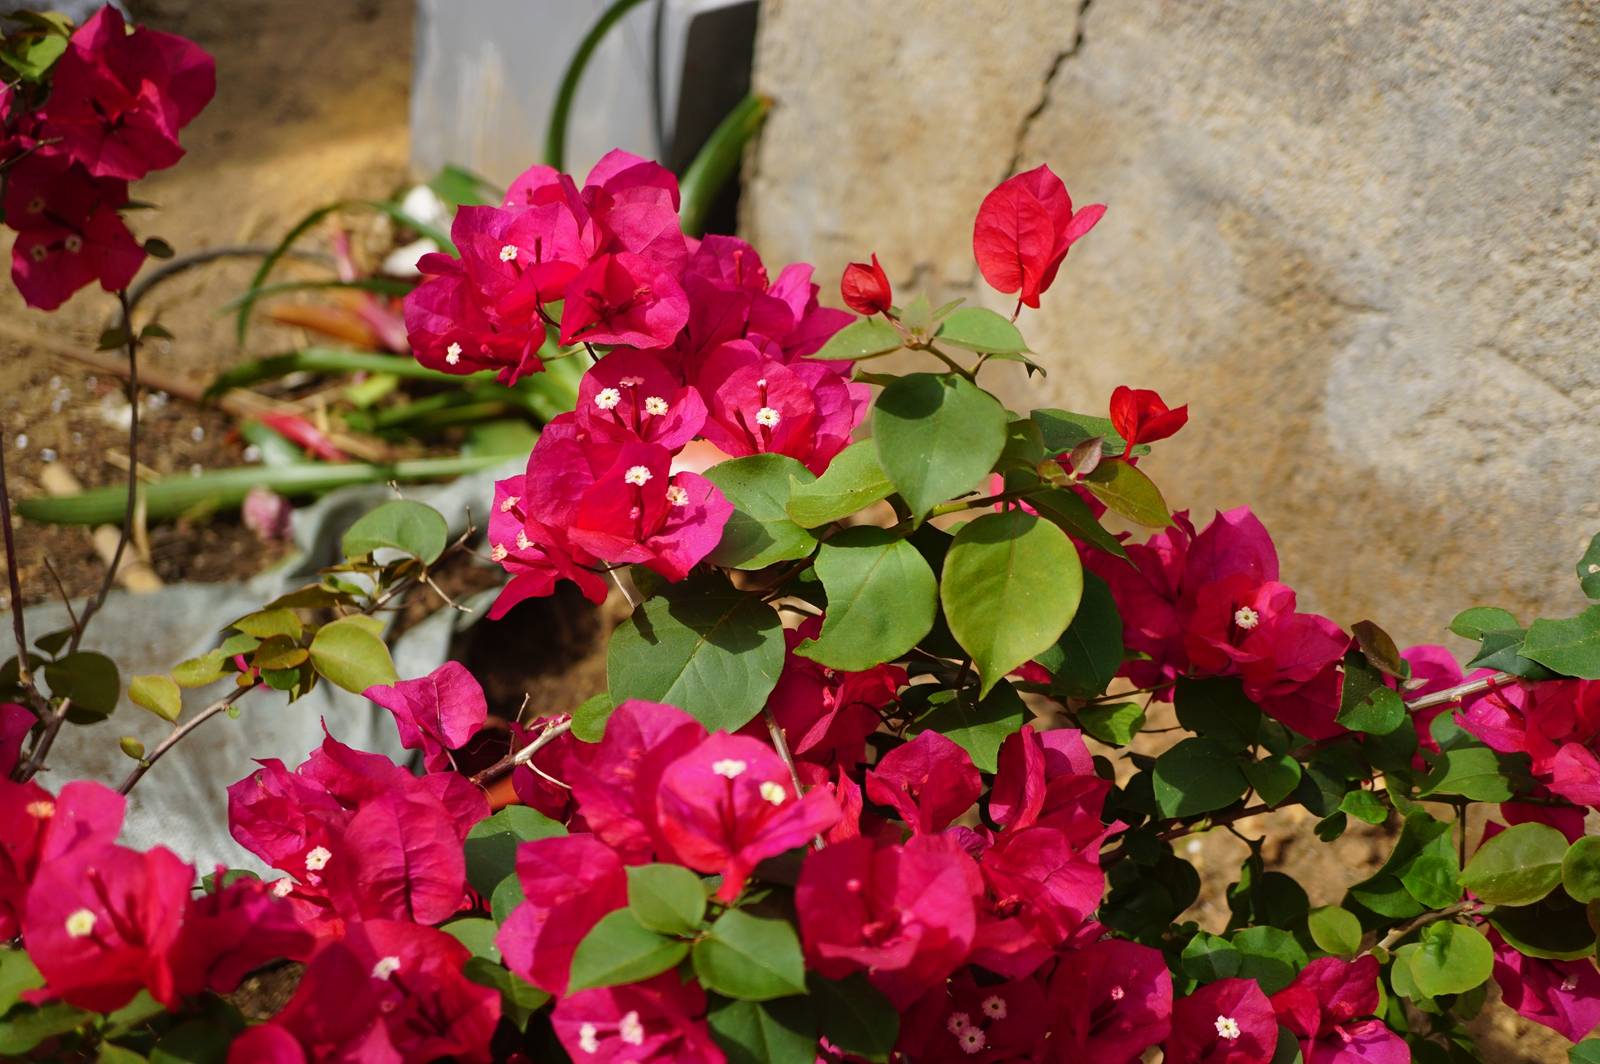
[[116, 104]]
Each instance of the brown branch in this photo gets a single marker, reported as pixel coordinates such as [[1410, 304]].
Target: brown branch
[[14, 579], [177, 734], [519, 757], [1390, 940], [1460, 691]]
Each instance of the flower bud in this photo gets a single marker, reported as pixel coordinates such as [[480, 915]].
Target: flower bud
[[866, 288]]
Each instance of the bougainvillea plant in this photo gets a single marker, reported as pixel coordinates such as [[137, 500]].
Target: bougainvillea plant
[[872, 779]]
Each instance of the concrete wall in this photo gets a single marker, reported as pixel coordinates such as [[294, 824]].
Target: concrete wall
[[1359, 238]]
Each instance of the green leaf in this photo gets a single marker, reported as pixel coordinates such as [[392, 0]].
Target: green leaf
[[1518, 866], [666, 898], [1067, 510], [1114, 724], [90, 680], [477, 934], [1450, 959], [981, 330], [158, 694], [937, 437], [783, 1031], [1589, 569], [17, 973], [618, 951], [1367, 704], [852, 481], [1580, 869], [200, 671], [1556, 928], [1479, 621], [1127, 491], [1063, 430], [980, 729], [491, 845], [855, 1016], [1503, 651], [211, 882], [264, 624], [1474, 772], [751, 958], [1087, 656], [1270, 956], [714, 651], [1207, 958], [506, 897], [882, 599], [1585, 1052], [759, 532], [862, 338], [589, 719], [347, 653], [1335, 930], [1273, 777], [1011, 585], [1217, 708], [402, 525], [1365, 806], [1571, 647], [26, 1029], [32, 56], [1420, 873], [1197, 776]]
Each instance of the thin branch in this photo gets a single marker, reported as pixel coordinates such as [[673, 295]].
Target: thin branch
[[1394, 937], [1460, 691], [781, 743], [519, 757], [14, 579], [177, 734]]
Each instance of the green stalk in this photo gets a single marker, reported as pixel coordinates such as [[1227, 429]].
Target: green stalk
[[718, 160], [555, 134], [226, 488]]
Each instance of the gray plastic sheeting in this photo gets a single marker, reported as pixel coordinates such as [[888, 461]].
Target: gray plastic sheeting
[[182, 802]]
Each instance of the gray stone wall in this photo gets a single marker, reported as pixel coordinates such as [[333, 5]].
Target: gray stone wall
[[1359, 238]]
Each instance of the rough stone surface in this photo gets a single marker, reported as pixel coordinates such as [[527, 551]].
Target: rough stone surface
[[1359, 239]]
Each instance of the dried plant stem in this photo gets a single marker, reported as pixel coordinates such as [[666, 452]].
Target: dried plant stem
[[178, 732]]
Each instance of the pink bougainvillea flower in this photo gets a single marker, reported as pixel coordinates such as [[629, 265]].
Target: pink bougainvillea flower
[[929, 781], [658, 1021], [37, 827], [435, 713], [537, 556], [118, 99], [1048, 875], [69, 233], [729, 804], [1140, 416], [230, 932], [1562, 995], [102, 924], [1324, 1009], [903, 914], [1113, 1000], [398, 858], [758, 405], [865, 288], [388, 991], [1227, 1022], [623, 299], [631, 395], [569, 883], [1556, 723], [1024, 229], [970, 1021], [1148, 589], [537, 781], [15, 724], [1234, 542], [615, 781]]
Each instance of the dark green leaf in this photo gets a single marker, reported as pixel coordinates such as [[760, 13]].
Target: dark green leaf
[[1072, 515], [506, 897], [211, 882], [52, 642], [1217, 709], [1366, 703], [1274, 777], [1087, 656], [1556, 928], [33, 56], [1379, 649], [1571, 647], [980, 729], [862, 338], [1479, 621], [1580, 869], [714, 651], [759, 532], [17, 973], [589, 719], [1519, 866], [348, 654], [1589, 569], [1335, 930], [937, 437], [882, 599], [981, 330], [666, 898], [783, 1031], [1365, 806], [1585, 1052], [1421, 872], [1010, 586], [1113, 723], [159, 249], [1475, 772], [402, 525], [1197, 776], [1209, 957], [1126, 490], [491, 845], [21, 1031], [1063, 430], [1503, 651], [751, 958], [855, 1016], [853, 480], [1270, 956], [90, 680], [618, 950]]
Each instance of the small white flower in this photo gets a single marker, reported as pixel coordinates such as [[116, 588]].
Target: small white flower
[[318, 858], [80, 923], [1227, 1027], [607, 398], [630, 1029], [767, 417], [508, 253], [656, 406], [523, 542], [498, 552], [1246, 618], [972, 1040], [589, 1038], [509, 503], [678, 496], [73, 243], [631, 382], [958, 1022], [385, 967], [42, 809], [994, 1007], [762, 383], [1117, 993], [452, 354], [731, 767], [637, 475], [773, 792], [283, 887]]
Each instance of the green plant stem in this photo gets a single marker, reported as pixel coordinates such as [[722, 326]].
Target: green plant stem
[[1394, 937], [555, 134], [718, 160], [947, 360]]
